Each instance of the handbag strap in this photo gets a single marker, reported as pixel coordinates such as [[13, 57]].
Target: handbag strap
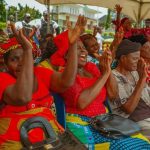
[[52, 141]]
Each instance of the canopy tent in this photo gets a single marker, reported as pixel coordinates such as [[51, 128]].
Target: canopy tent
[[135, 9]]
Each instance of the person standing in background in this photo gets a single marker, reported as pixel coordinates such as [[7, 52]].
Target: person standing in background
[[54, 27], [98, 34]]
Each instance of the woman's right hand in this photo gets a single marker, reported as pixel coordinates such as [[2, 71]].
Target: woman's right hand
[[142, 69], [25, 43], [105, 62], [79, 28], [118, 8]]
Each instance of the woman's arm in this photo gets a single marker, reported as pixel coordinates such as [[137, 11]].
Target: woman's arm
[[89, 94], [134, 99], [20, 93], [61, 81], [118, 9], [112, 87], [117, 40]]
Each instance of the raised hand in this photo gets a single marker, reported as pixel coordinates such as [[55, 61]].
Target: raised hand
[[118, 8], [78, 29], [118, 36], [117, 40], [25, 43]]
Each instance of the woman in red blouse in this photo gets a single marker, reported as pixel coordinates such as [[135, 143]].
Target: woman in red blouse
[[85, 99], [25, 90]]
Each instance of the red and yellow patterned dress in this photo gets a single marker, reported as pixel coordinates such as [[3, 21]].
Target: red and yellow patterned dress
[[11, 117]]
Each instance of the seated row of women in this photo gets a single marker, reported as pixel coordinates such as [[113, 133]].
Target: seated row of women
[[25, 90]]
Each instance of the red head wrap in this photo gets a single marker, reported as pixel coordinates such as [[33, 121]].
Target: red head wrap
[[12, 44]]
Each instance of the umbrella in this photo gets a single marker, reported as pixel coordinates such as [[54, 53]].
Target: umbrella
[[135, 9]]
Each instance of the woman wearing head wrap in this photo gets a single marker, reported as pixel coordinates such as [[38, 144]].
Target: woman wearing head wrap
[[133, 98], [84, 99], [24, 90], [92, 46], [125, 23]]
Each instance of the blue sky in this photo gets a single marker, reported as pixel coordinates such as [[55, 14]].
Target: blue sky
[[41, 8]]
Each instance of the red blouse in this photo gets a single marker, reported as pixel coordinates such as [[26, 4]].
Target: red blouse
[[96, 107], [38, 106], [39, 98]]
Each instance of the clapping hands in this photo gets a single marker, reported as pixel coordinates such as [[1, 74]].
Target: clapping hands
[[105, 62], [142, 69]]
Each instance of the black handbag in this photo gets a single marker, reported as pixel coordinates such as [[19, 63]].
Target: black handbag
[[65, 141], [114, 126]]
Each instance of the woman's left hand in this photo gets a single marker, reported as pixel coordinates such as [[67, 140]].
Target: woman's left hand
[[105, 62], [79, 28], [25, 43]]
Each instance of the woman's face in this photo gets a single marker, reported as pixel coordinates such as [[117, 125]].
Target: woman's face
[[130, 61], [82, 54], [14, 61], [127, 25], [92, 46]]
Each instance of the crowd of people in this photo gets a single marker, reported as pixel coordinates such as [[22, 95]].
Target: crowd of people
[[73, 65]]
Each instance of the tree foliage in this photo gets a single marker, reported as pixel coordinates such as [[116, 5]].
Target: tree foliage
[[108, 20], [2, 11], [18, 10]]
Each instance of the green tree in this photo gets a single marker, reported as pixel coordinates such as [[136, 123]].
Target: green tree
[[108, 20], [2, 11], [12, 10], [23, 10]]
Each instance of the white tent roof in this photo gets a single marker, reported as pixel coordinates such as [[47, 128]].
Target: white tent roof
[[136, 9]]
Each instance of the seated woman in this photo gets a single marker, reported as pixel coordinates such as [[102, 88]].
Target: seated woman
[[133, 99], [92, 46], [144, 51], [25, 90], [85, 99], [126, 24]]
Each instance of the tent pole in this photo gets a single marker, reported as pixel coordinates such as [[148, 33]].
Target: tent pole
[[48, 19], [139, 14]]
